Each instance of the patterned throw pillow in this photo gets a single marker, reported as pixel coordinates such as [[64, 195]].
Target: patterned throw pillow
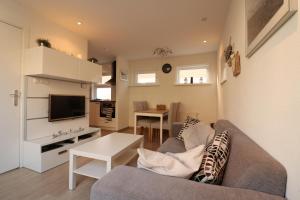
[[214, 160], [188, 122]]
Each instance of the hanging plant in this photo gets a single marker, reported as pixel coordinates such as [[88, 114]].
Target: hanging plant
[[43, 42], [93, 60]]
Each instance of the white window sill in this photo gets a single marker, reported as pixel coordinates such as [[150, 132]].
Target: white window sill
[[190, 84], [145, 85]]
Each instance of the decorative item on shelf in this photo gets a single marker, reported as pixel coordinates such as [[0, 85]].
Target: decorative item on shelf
[[167, 68], [93, 60], [237, 64], [185, 80], [43, 42], [161, 107], [201, 80], [192, 80]]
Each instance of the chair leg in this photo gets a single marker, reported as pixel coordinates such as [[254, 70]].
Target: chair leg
[[150, 134], [142, 130]]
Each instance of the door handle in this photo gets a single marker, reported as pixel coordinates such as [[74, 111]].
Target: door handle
[[16, 95]]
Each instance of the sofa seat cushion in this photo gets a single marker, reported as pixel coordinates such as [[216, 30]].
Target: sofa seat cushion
[[172, 145], [129, 183]]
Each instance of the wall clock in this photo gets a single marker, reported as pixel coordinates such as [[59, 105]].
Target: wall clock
[[167, 68]]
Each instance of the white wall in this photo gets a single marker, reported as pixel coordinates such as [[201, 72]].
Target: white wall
[[122, 92], [35, 26], [197, 100], [264, 101]]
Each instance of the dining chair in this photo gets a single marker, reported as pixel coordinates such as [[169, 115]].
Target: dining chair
[[142, 122], [173, 116]]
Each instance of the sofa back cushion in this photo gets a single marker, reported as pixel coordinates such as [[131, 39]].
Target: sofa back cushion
[[249, 166]]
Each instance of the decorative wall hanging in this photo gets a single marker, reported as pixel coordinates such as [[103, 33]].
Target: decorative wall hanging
[[228, 52], [167, 68], [43, 42], [237, 64], [124, 76], [264, 18], [224, 75]]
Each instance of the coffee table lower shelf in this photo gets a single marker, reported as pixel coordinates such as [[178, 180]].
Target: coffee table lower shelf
[[97, 168]]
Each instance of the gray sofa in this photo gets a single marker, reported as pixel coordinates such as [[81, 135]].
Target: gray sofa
[[251, 173]]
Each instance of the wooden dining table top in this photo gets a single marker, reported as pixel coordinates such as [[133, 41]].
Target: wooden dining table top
[[153, 111]]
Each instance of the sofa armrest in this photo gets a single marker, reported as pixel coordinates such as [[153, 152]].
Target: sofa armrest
[[176, 127], [129, 183]]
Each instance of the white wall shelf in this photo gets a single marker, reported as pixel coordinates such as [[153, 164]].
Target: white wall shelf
[[194, 84], [145, 85], [50, 140], [49, 63]]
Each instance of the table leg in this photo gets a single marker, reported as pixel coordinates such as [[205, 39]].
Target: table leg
[[108, 166], [135, 121], [161, 130], [72, 175]]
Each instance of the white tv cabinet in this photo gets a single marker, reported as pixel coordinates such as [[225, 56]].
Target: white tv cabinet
[[45, 153]]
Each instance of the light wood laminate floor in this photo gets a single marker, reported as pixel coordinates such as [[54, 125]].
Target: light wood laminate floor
[[24, 184]]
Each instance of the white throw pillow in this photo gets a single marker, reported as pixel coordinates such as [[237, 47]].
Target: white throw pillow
[[171, 164], [198, 134]]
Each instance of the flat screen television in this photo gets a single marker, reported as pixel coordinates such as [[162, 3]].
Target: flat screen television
[[63, 107]]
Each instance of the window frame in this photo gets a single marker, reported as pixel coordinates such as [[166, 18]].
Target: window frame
[[187, 67]]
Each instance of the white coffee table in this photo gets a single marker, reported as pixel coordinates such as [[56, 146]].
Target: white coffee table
[[108, 151]]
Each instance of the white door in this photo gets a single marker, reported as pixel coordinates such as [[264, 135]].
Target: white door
[[10, 79]]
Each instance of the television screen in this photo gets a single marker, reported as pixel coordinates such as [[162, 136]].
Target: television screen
[[66, 107]]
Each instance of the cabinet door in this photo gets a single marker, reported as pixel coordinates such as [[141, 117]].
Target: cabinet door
[[94, 113], [90, 72], [59, 64]]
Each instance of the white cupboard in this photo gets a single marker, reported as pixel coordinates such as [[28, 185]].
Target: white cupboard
[[50, 63]]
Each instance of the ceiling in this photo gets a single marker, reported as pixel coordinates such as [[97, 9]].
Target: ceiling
[[134, 28]]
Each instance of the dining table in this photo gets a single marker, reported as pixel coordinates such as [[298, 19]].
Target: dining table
[[152, 113]]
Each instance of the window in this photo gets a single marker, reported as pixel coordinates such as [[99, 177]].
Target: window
[[199, 74], [103, 93], [146, 78]]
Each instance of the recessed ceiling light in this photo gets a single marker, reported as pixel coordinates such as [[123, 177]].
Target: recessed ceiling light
[[79, 23], [204, 41]]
